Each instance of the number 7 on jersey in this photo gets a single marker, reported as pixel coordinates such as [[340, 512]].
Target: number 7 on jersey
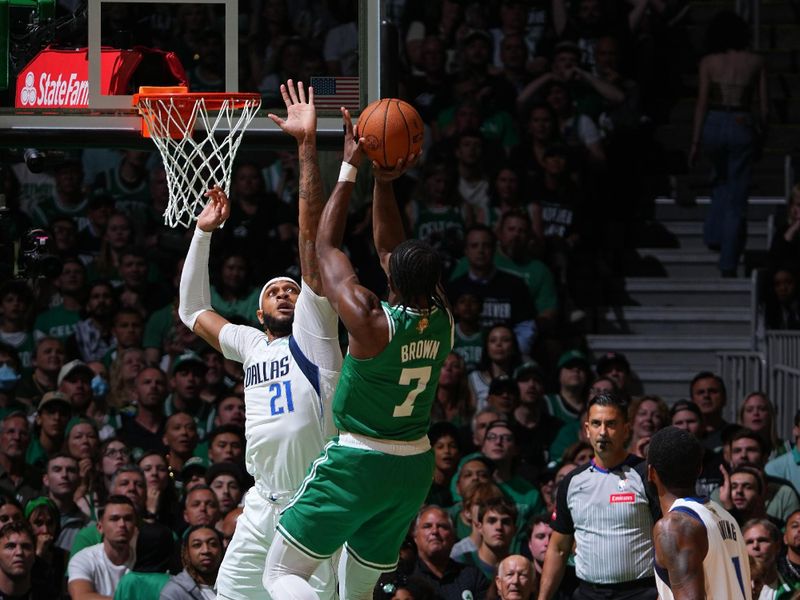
[[422, 375]]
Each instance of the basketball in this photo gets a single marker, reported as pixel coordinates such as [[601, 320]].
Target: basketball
[[392, 129]]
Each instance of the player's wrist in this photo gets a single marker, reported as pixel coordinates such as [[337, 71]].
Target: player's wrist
[[348, 172]]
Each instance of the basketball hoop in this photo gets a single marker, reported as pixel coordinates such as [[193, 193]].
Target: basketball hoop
[[194, 161]]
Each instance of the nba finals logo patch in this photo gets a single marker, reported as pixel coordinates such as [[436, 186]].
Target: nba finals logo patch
[[422, 325]]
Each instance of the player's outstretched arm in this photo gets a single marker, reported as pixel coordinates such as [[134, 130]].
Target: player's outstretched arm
[[555, 563], [194, 306], [301, 124], [387, 227], [358, 307], [681, 545]]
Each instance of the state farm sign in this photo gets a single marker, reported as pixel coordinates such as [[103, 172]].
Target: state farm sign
[[60, 78]]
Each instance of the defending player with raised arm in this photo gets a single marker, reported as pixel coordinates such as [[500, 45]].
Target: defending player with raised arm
[[700, 550], [290, 368], [366, 488]]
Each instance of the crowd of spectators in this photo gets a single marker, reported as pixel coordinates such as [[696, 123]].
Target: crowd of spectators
[[121, 441]]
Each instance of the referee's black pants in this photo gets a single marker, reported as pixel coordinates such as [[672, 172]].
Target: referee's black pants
[[644, 589]]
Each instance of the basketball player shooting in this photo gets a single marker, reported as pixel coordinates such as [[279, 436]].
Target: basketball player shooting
[[700, 550], [290, 367], [365, 489]]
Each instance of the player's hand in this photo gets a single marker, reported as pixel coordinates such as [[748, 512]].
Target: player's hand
[[725, 489], [387, 174], [216, 211], [301, 118], [353, 145]]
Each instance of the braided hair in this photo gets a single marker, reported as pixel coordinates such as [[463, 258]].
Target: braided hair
[[415, 269]]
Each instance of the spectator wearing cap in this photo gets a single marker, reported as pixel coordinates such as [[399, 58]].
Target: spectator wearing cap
[[201, 555], [51, 561], [92, 338], [180, 438], [500, 446], [443, 437], [52, 416], [61, 481], [144, 431], [75, 382], [503, 395], [193, 473], [536, 428], [708, 392], [17, 478], [616, 367], [17, 556], [186, 382], [566, 405], [434, 537], [787, 466], [226, 480], [603, 510], [59, 321], [47, 362]]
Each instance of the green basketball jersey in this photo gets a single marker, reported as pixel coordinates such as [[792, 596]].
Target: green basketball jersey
[[390, 396]]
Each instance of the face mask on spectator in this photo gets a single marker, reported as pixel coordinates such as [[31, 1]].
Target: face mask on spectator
[[99, 386], [8, 378]]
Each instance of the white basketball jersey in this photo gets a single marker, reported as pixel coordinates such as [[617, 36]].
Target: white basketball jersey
[[287, 401], [726, 566]]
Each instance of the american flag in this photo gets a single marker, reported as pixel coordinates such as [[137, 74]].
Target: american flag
[[333, 92]]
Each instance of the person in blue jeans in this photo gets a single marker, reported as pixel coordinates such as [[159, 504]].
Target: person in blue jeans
[[725, 122]]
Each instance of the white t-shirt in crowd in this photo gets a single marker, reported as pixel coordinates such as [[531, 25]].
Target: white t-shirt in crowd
[[92, 564]]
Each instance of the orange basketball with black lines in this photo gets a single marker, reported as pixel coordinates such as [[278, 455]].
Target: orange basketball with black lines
[[392, 129]]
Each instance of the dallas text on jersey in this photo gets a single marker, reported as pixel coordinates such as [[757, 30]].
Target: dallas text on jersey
[[266, 371]]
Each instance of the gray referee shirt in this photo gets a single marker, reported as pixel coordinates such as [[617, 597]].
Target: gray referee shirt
[[611, 516]]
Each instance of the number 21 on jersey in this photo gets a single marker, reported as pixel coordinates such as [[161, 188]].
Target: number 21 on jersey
[[422, 375], [281, 398]]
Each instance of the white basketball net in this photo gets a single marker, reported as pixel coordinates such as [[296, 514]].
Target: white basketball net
[[195, 161]]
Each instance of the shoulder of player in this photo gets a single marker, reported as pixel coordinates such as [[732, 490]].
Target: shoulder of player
[[677, 530]]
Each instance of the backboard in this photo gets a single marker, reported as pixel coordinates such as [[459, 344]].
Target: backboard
[[78, 92]]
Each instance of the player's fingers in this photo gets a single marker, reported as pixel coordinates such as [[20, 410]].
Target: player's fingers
[[348, 122], [285, 96], [277, 120], [310, 95], [292, 92], [301, 92]]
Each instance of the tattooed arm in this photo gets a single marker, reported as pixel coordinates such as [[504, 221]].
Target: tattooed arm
[[301, 123], [681, 545]]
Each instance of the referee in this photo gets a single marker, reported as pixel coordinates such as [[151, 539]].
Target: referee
[[603, 507]]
